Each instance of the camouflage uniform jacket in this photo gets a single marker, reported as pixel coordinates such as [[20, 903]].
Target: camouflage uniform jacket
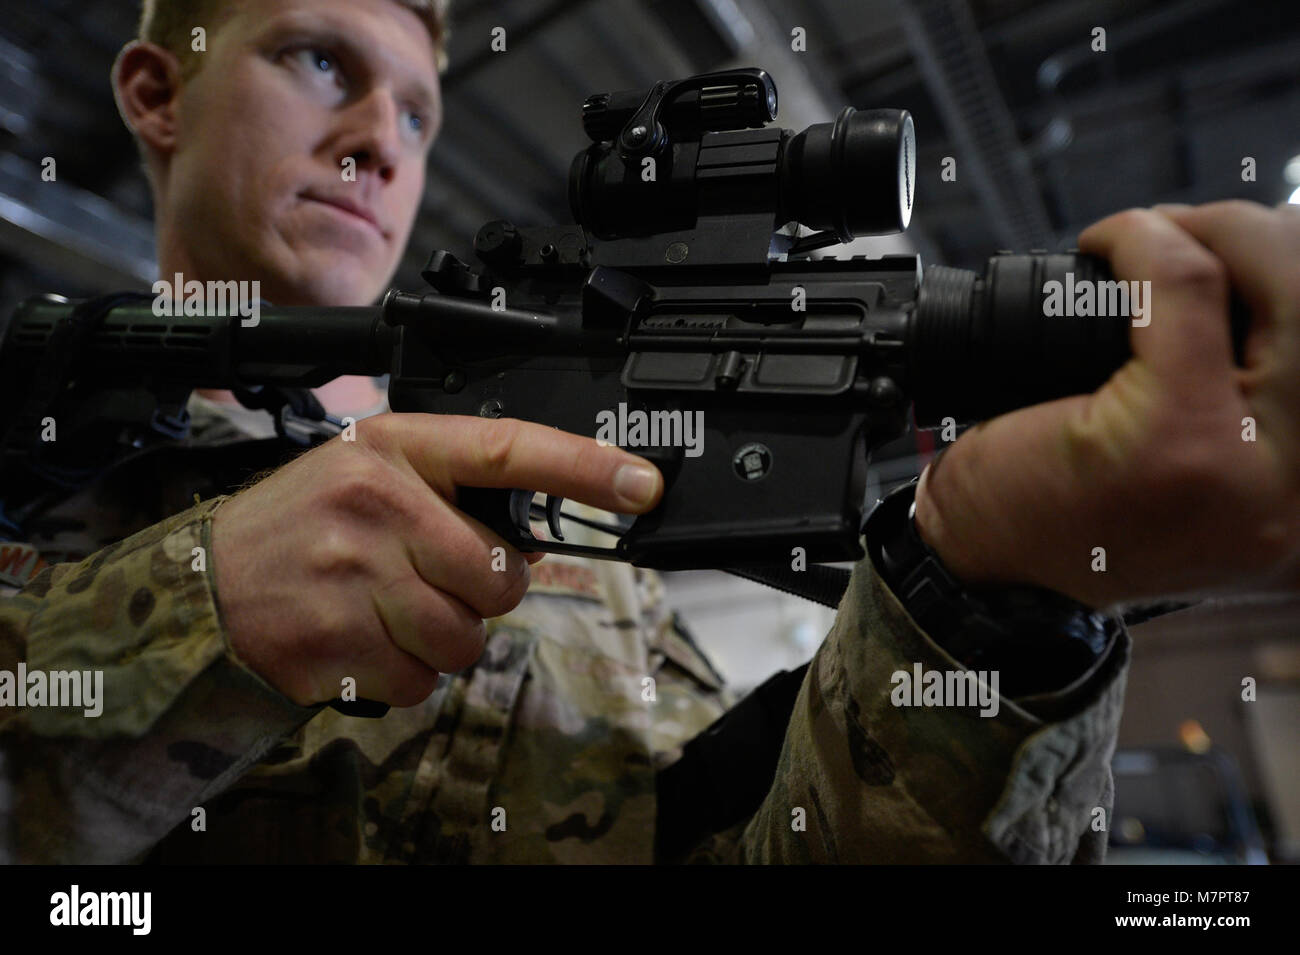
[[545, 750]]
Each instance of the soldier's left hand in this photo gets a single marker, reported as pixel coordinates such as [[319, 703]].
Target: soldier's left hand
[[1182, 473]]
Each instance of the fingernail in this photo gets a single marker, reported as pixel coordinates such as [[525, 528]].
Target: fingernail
[[636, 484]]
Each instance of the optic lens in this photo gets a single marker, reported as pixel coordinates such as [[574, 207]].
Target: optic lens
[[854, 176]]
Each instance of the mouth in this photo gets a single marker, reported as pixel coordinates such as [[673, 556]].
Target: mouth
[[348, 207]]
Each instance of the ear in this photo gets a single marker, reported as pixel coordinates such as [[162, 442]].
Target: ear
[[146, 84]]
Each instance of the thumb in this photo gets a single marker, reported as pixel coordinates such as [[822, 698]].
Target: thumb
[[1006, 502]]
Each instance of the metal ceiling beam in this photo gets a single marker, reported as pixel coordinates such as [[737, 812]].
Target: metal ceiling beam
[[806, 94], [521, 137], [569, 73], [71, 232], [22, 90], [519, 33], [1193, 92], [1055, 68], [762, 39], [948, 49], [633, 56], [449, 160]]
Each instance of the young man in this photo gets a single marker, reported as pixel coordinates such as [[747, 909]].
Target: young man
[[350, 567]]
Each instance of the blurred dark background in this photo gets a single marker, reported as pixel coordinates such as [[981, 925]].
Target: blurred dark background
[[1047, 135]]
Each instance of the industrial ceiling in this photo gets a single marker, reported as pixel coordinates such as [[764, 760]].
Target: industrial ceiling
[[1047, 134]]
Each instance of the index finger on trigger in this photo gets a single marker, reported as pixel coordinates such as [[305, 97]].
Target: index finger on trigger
[[465, 451]]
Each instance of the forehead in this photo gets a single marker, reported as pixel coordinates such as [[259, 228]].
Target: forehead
[[389, 35]]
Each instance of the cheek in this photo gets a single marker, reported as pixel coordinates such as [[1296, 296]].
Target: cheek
[[256, 139], [266, 183], [226, 171]]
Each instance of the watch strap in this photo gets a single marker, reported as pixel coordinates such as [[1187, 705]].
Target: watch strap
[[1039, 640]]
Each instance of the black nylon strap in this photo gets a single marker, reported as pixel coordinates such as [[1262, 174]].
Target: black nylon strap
[[726, 772]]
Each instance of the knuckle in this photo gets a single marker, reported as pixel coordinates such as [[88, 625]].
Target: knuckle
[[348, 479], [466, 645], [301, 685], [363, 488], [316, 654], [1276, 538], [303, 692], [503, 591], [1227, 208], [1193, 470], [1198, 469], [1132, 220], [412, 688], [1196, 268], [335, 552], [377, 432], [588, 458], [496, 444]]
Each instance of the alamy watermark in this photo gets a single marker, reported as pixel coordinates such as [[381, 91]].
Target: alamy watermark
[[55, 688], [74, 907], [643, 429], [923, 687], [195, 298], [1087, 298]]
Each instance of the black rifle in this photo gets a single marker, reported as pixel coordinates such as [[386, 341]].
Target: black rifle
[[682, 290], [684, 286]]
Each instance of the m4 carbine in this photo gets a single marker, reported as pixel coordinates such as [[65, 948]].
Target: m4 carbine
[[683, 292]]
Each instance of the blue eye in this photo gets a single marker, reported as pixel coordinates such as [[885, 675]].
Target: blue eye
[[321, 66], [418, 125]]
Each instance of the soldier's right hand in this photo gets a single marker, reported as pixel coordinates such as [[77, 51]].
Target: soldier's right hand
[[353, 561]]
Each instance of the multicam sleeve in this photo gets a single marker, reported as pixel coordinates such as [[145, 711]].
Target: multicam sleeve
[[169, 716], [861, 779]]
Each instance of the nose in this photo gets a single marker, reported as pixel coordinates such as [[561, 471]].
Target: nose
[[371, 136]]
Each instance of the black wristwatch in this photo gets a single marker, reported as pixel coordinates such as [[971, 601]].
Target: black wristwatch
[[1040, 641]]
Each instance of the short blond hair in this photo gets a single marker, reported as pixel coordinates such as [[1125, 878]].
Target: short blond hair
[[170, 23]]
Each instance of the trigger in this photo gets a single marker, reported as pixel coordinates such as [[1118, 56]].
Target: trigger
[[553, 516], [520, 504]]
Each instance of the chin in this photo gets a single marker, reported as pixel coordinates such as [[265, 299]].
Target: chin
[[335, 283], [335, 292]]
